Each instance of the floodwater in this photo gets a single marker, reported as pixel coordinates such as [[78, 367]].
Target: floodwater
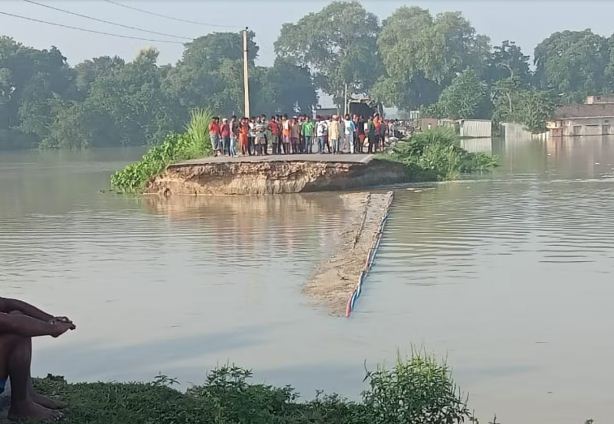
[[508, 276]]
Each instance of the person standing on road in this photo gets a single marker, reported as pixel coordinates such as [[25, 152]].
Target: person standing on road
[[349, 133], [260, 137], [371, 132], [295, 133], [244, 136], [308, 129], [274, 129], [321, 133], [214, 134], [225, 134], [234, 135], [333, 133], [286, 132], [360, 130]]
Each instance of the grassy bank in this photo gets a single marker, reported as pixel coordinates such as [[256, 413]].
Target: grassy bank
[[418, 390], [191, 144], [436, 155]]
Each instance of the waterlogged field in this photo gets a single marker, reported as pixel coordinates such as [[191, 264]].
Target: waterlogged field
[[508, 276]]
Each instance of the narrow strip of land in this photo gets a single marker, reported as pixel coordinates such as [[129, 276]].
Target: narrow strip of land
[[315, 157], [336, 277]]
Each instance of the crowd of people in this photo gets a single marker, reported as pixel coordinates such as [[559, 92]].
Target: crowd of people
[[283, 135]]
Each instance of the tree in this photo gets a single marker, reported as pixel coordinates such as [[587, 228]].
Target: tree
[[126, 106], [210, 73], [288, 88], [530, 107], [88, 71], [338, 44], [508, 61], [573, 63], [465, 98], [32, 85], [422, 55]]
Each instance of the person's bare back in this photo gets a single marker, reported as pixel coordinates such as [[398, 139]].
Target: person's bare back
[[19, 322]]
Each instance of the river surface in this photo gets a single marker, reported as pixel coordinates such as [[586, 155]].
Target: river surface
[[509, 276]]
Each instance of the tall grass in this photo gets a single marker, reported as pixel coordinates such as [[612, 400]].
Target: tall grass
[[192, 143], [417, 390], [436, 154]]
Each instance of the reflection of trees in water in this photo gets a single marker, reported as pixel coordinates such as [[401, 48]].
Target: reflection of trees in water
[[244, 225]]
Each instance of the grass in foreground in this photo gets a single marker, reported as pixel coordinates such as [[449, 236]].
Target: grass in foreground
[[191, 144], [436, 155], [418, 390]]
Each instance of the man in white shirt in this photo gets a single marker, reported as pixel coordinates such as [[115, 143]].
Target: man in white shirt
[[349, 132], [321, 133]]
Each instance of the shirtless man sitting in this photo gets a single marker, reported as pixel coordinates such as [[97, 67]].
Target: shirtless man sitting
[[19, 322]]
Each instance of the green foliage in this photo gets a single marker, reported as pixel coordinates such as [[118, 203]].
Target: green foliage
[[338, 44], [465, 98], [422, 54], [508, 61], [529, 107], [416, 391], [193, 143], [436, 154], [573, 63]]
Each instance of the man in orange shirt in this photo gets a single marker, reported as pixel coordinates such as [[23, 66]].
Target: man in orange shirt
[[286, 129]]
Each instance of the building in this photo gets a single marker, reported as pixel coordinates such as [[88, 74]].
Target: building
[[595, 100], [594, 117], [475, 128]]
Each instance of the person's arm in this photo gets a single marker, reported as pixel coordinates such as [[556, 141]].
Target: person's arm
[[26, 326], [9, 305]]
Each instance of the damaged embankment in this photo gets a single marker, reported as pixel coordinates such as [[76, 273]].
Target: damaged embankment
[[337, 277], [266, 175]]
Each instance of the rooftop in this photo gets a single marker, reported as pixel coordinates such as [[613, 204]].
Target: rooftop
[[597, 110]]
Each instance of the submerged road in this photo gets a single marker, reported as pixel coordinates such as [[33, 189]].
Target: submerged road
[[314, 157]]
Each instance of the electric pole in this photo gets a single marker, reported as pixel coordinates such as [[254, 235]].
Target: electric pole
[[245, 73]]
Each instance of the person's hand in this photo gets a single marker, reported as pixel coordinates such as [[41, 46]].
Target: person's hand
[[65, 320], [58, 328]]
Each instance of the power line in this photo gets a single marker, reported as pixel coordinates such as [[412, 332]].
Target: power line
[[89, 30], [105, 21], [169, 17]]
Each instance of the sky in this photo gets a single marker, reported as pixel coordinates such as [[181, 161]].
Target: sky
[[526, 22]]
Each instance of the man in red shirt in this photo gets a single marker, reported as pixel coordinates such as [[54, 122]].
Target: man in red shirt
[[225, 136], [274, 128], [214, 135]]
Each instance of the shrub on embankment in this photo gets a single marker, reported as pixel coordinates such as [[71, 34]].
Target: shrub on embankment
[[436, 154], [191, 144], [415, 391]]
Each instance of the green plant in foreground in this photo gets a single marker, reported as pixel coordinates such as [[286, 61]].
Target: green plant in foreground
[[436, 154], [191, 144], [418, 390]]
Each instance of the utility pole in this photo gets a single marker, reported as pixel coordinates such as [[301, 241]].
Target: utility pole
[[245, 73], [345, 99]]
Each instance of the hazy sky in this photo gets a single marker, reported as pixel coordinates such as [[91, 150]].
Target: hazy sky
[[526, 22]]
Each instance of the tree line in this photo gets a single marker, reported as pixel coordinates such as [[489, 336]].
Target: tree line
[[412, 59]]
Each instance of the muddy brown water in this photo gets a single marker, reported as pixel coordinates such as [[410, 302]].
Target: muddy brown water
[[509, 276]]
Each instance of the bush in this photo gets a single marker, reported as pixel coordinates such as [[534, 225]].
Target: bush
[[419, 390], [191, 144], [436, 154], [416, 391]]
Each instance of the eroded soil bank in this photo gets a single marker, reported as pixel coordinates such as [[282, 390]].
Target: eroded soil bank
[[336, 277], [273, 176]]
